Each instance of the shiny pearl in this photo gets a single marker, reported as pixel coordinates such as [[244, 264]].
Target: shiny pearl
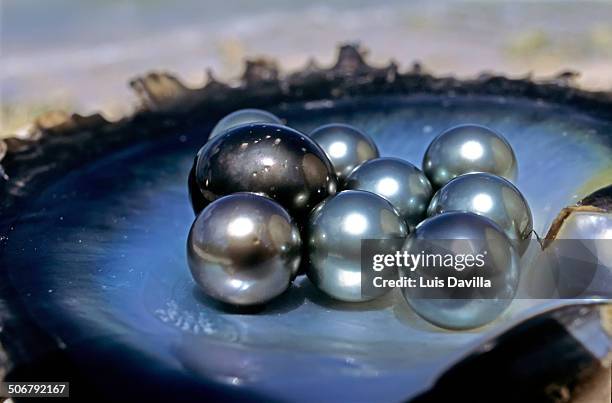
[[345, 146], [491, 196], [468, 148], [462, 233], [398, 181], [274, 160], [243, 249], [241, 117], [336, 228]]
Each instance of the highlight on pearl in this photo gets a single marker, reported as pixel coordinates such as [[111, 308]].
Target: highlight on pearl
[[491, 196], [405, 186], [462, 233], [468, 148], [241, 117], [243, 249], [336, 228], [346, 147]]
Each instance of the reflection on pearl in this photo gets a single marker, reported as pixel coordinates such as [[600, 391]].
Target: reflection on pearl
[[267, 161], [337, 149], [240, 227], [387, 187], [355, 224], [482, 203], [472, 150], [349, 278]]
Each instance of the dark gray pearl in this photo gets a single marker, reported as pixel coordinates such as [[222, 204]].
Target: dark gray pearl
[[491, 196], [336, 228], [461, 233], [243, 249], [468, 148], [345, 146], [274, 160], [241, 117], [398, 181]]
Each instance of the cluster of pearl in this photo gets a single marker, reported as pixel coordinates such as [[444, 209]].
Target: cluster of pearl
[[271, 200]]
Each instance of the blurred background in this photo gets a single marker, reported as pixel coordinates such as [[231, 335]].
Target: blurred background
[[79, 55]]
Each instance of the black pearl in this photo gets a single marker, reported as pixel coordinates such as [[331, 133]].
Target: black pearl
[[269, 159], [468, 148], [345, 146], [243, 249]]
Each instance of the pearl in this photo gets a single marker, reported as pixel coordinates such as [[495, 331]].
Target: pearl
[[269, 159], [345, 146], [336, 228], [461, 233], [241, 117], [243, 249], [468, 148], [491, 196], [405, 186]]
